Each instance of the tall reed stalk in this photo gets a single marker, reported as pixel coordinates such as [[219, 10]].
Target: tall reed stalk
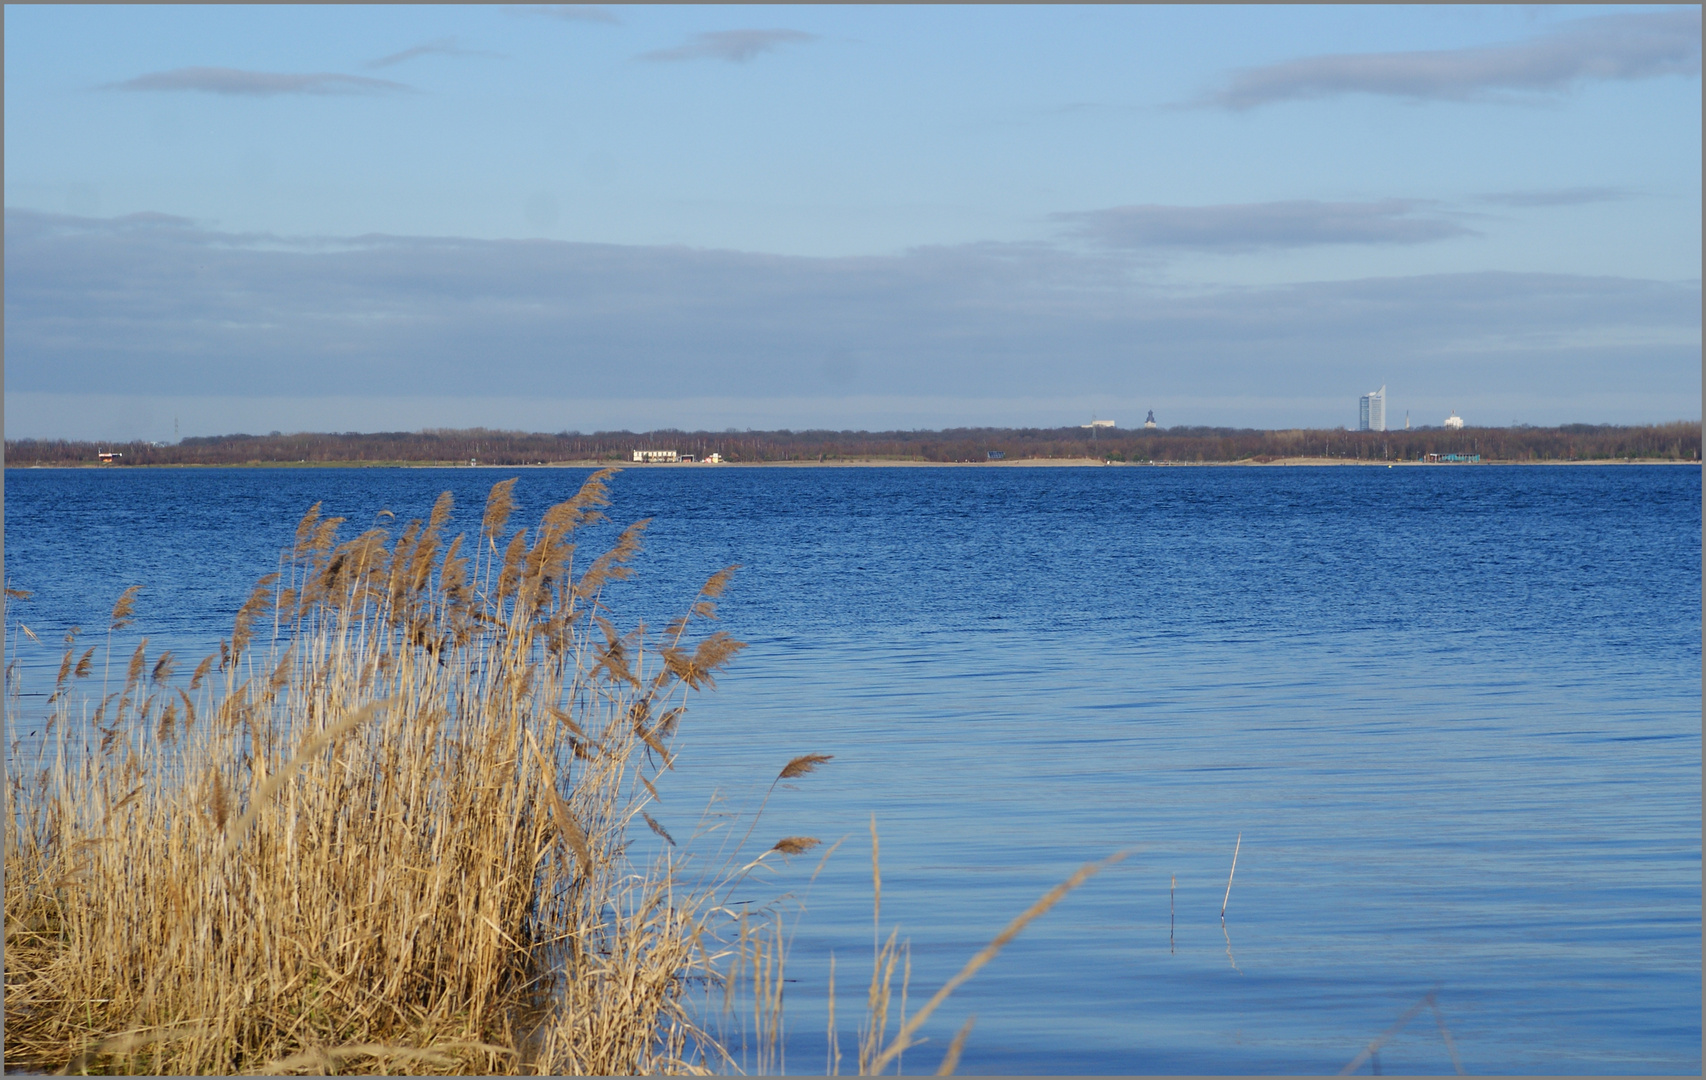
[[386, 828]]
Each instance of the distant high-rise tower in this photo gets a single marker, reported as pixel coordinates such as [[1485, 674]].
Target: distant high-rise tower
[[1372, 415], [1149, 421]]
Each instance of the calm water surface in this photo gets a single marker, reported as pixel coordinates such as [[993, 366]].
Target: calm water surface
[[1453, 712]]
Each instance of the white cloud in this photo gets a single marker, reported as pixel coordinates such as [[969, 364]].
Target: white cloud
[[735, 46], [238, 83], [1610, 47], [1575, 196], [441, 47], [1250, 226]]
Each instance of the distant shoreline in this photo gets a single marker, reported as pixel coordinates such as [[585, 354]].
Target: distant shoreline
[[857, 463], [983, 447]]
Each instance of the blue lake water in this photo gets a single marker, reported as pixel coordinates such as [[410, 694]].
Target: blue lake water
[[1453, 712]]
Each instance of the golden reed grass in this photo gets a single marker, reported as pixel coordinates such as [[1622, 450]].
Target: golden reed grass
[[386, 828]]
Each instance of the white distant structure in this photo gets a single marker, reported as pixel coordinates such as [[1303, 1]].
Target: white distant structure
[[1371, 415], [651, 457], [1094, 423], [1406, 419], [1149, 421], [1454, 421], [713, 458]]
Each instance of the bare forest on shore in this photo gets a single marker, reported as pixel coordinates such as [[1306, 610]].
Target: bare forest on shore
[[1677, 441]]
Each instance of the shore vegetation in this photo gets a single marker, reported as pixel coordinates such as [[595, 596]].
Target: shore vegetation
[[1678, 441]]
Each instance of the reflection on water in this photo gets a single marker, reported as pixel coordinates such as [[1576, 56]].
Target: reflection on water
[[1456, 712]]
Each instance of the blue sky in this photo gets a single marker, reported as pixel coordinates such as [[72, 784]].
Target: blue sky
[[551, 218]]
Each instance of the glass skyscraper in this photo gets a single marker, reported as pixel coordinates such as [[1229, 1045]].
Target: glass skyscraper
[[1372, 416]]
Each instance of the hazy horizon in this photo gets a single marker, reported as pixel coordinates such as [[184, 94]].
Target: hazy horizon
[[224, 219]]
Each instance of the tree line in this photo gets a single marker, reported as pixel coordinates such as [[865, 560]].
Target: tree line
[[1678, 441]]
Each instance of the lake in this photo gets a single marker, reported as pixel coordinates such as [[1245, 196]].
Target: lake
[[1452, 712]]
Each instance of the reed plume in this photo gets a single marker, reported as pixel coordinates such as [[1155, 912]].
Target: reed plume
[[124, 609], [802, 765]]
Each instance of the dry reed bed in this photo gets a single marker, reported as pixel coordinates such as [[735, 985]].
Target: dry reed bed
[[394, 840]]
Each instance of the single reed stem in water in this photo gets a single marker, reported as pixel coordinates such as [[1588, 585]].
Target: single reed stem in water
[[1229, 874], [834, 1062]]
